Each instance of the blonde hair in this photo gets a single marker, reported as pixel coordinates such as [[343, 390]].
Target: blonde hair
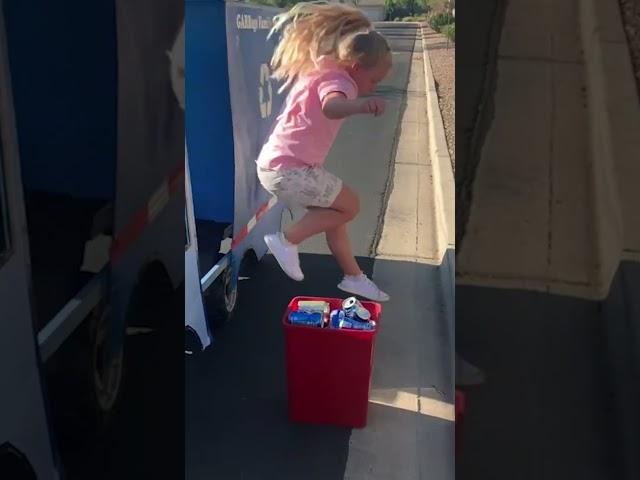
[[314, 29]]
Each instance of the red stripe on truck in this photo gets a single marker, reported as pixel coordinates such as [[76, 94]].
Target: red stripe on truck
[[264, 208], [137, 225]]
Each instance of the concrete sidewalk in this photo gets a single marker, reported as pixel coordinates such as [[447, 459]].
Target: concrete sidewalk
[[409, 229]]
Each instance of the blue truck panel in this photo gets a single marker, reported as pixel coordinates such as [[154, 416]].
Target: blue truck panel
[[208, 114]]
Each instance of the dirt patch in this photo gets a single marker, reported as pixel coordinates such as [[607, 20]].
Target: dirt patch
[[442, 54], [631, 21]]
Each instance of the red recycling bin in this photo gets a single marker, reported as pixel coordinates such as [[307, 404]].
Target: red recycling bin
[[329, 370]]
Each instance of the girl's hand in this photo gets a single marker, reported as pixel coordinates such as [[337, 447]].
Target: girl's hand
[[374, 106], [336, 106]]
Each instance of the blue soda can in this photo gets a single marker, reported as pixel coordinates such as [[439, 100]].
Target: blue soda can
[[309, 319], [358, 325], [355, 310], [339, 319], [335, 318]]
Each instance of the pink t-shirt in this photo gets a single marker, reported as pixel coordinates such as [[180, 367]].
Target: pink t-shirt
[[303, 135]]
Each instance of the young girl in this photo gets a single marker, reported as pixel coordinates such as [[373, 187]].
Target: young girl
[[329, 55]]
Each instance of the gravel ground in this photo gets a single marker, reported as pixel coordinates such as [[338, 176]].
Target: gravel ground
[[443, 64], [631, 20]]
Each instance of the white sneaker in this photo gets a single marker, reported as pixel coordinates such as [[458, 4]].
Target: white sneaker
[[286, 254], [364, 287]]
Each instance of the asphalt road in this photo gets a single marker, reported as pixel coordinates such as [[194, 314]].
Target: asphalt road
[[544, 411]]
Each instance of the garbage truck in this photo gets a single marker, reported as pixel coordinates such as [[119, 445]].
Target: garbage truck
[[231, 105]]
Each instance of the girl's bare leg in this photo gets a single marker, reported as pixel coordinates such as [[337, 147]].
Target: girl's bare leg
[[345, 207], [340, 246]]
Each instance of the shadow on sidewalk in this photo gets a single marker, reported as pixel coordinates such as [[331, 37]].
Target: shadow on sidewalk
[[544, 408]]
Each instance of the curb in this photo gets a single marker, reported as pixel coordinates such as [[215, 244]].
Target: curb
[[439, 153], [614, 117], [444, 188]]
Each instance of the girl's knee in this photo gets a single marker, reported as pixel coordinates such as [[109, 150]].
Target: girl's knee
[[347, 203], [353, 207]]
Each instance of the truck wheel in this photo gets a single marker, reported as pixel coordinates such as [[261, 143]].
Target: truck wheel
[[221, 299], [86, 387], [107, 373]]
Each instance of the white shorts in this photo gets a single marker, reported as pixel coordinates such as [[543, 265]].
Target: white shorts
[[302, 186]]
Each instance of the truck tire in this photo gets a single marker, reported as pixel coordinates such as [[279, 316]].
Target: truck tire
[[107, 376], [86, 388], [221, 299]]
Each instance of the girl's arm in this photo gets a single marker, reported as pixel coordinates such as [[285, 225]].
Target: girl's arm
[[336, 106]]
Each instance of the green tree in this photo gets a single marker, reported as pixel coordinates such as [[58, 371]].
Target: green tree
[[411, 6], [405, 8], [441, 6]]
